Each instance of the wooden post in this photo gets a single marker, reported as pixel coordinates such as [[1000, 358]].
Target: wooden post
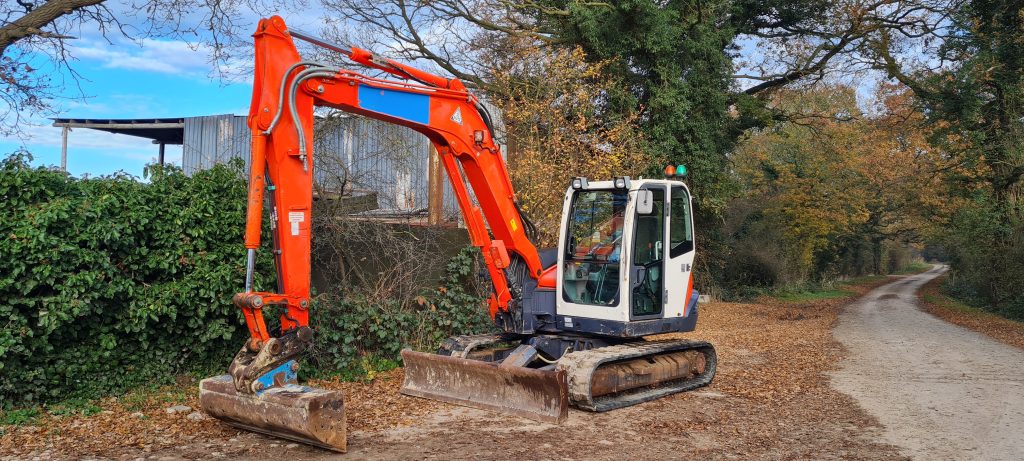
[[510, 148], [64, 149], [435, 188], [161, 158]]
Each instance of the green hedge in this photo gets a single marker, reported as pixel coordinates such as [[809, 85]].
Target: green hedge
[[985, 247], [108, 282]]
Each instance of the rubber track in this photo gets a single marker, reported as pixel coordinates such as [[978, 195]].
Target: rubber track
[[580, 367]]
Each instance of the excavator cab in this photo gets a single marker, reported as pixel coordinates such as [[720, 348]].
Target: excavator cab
[[624, 271], [626, 254]]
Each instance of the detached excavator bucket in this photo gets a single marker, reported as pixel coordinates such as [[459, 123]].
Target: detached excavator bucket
[[539, 395], [294, 412]]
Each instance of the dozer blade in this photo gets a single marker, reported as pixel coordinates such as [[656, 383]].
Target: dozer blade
[[293, 412], [534, 394]]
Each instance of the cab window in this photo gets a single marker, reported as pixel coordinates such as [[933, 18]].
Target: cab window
[[680, 223], [593, 247]]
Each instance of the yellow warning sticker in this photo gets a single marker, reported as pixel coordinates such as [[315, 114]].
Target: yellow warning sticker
[[512, 222]]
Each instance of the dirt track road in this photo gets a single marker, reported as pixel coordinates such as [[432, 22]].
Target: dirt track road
[[771, 400], [941, 391]]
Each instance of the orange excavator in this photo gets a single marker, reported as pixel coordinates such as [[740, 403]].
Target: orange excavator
[[571, 321]]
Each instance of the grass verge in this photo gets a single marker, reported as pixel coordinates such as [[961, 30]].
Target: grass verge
[[937, 303], [914, 268], [845, 289]]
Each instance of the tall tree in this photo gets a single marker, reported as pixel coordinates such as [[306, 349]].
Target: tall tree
[[675, 70], [975, 99], [556, 133], [977, 95]]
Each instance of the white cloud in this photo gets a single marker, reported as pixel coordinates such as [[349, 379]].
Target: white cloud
[[163, 56]]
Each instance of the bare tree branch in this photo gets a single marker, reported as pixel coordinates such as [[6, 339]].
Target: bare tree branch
[[35, 19]]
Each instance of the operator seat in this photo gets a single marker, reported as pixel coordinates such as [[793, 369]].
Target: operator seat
[[548, 257]]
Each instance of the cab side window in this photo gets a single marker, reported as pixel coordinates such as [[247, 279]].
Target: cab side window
[[680, 223], [648, 239]]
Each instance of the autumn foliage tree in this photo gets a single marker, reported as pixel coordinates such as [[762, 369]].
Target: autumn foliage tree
[[836, 187], [552, 108]]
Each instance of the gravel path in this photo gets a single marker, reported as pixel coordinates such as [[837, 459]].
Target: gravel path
[[942, 391]]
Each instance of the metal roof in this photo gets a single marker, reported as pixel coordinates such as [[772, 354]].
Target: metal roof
[[160, 130]]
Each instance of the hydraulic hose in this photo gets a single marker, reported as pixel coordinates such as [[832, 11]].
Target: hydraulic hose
[[299, 79], [280, 96]]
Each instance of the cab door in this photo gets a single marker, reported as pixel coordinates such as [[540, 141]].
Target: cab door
[[679, 253], [647, 261]]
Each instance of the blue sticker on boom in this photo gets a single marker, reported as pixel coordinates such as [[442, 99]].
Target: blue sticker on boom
[[410, 106]]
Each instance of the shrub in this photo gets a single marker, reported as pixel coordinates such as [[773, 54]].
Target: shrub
[[107, 282], [986, 258], [352, 331]]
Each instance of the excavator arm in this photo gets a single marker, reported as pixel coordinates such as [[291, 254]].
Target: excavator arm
[[285, 91], [260, 391]]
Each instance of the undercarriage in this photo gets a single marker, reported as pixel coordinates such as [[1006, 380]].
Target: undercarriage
[[538, 377]]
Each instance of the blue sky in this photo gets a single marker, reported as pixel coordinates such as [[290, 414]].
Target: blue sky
[[141, 78], [160, 78]]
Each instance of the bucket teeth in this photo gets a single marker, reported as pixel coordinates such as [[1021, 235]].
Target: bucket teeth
[[540, 395], [303, 414]]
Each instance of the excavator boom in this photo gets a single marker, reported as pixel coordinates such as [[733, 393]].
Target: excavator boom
[[260, 391]]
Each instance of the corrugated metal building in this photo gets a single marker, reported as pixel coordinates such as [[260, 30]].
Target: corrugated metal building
[[353, 154]]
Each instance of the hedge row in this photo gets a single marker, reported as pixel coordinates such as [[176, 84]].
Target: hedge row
[[108, 282], [112, 282], [986, 258]]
